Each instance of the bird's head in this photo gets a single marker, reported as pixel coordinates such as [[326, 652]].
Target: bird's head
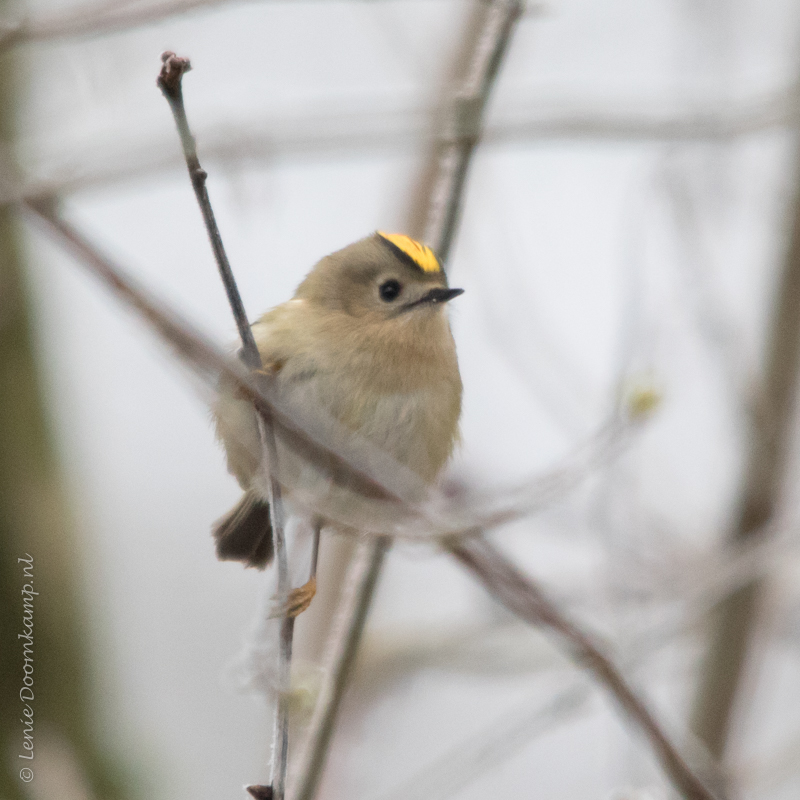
[[383, 277]]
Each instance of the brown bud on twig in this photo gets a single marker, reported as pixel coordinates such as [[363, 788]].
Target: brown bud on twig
[[172, 71]]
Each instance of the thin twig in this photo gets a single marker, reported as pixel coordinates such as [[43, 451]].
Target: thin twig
[[519, 594], [280, 737], [170, 81]]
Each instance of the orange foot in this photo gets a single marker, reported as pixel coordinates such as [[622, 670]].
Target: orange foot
[[298, 601]]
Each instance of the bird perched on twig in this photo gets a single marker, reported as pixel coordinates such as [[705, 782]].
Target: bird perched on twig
[[366, 340]]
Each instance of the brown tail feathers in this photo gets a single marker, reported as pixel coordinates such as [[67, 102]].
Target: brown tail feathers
[[245, 533]]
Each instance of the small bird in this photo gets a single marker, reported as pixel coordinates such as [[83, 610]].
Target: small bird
[[366, 340]]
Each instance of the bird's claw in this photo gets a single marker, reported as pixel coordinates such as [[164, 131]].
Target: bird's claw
[[298, 601]]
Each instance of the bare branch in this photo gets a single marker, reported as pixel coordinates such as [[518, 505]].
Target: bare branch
[[170, 82], [342, 646], [435, 219], [383, 129]]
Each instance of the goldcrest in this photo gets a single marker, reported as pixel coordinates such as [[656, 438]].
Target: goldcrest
[[366, 340]]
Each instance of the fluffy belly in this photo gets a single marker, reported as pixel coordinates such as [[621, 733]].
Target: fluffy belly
[[317, 484]]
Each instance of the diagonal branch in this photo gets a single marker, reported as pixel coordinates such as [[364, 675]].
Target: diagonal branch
[[170, 81]]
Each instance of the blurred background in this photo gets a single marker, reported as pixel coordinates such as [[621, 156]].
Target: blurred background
[[629, 248]]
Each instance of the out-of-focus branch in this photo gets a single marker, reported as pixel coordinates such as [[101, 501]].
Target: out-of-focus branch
[[764, 475], [520, 595], [435, 220], [487, 40], [389, 129], [501, 739], [369, 466], [96, 19], [341, 648]]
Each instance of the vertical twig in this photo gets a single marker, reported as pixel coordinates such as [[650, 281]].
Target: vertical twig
[[170, 82], [486, 42], [341, 648], [765, 472]]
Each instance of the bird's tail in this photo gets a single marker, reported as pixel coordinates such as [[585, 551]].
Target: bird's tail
[[245, 533]]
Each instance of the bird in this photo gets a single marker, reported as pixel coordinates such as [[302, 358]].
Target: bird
[[366, 341]]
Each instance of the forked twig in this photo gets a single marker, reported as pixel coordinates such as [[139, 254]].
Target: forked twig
[[170, 81]]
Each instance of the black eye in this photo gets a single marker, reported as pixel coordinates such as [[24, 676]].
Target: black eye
[[390, 290]]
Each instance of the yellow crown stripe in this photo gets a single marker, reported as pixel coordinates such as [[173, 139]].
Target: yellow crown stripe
[[420, 254]]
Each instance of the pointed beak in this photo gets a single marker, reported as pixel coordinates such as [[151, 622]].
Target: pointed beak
[[440, 295], [433, 297]]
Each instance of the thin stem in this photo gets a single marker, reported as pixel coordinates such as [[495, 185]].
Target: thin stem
[[170, 81], [315, 548]]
